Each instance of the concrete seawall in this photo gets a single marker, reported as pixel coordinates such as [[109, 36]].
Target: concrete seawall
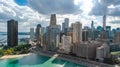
[[76, 60]]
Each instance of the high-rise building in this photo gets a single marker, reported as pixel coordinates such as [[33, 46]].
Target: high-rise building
[[92, 25], [53, 20], [66, 21], [77, 32], [117, 38], [65, 25], [47, 37], [32, 33], [85, 35], [58, 40], [52, 38], [104, 22], [37, 34], [42, 36], [12, 32]]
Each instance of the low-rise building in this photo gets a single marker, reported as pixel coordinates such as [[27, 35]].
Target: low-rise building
[[103, 52]]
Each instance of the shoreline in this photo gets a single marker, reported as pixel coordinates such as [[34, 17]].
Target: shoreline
[[80, 61], [13, 56]]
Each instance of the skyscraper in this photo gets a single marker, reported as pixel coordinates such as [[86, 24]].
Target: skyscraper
[[117, 38], [42, 36], [77, 32], [65, 25], [104, 22], [53, 20], [85, 35], [12, 33], [92, 25], [31, 33], [66, 21], [37, 34]]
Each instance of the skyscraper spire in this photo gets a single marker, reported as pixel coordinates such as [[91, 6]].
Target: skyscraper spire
[[104, 22]]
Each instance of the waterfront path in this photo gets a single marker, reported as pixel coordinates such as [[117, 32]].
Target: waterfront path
[[81, 61]]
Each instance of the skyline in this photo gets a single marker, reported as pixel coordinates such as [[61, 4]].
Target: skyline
[[29, 13]]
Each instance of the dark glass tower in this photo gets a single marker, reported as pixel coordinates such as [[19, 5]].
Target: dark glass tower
[[12, 33], [38, 31]]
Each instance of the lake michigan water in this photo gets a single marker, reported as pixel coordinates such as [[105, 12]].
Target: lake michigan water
[[3, 38], [37, 61]]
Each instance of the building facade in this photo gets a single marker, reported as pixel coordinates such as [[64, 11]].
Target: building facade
[[103, 52], [12, 33], [32, 34], [53, 20], [77, 32], [37, 33], [66, 44]]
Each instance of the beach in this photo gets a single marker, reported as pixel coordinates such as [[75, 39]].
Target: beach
[[14, 56]]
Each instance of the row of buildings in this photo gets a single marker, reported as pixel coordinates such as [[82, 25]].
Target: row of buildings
[[90, 43]]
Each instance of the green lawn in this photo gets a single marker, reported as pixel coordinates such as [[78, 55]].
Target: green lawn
[[115, 53]]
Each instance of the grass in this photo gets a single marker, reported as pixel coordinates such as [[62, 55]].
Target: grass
[[115, 53]]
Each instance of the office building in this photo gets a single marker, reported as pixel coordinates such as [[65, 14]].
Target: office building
[[53, 20], [37, 33], [47, 37], [92, 25], [117, 38], [12, 33], [77, 32], [58, 40], [104, 22], [52, 38], [84, 35], [65, 25], [32, 35], [42, 36]]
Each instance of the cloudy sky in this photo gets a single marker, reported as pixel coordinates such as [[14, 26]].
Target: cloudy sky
[[29, 13]]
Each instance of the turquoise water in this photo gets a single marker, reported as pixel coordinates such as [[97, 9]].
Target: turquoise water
[[37, 61]]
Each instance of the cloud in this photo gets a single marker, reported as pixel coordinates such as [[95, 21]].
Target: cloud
[[102, 7], [115, 22], [54, 6], [26, 16]]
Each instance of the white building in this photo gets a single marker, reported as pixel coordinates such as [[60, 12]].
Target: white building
[[102, 52], [77, 32], [66, 44]]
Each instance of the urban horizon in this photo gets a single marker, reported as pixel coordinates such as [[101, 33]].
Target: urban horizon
[[60, 33]]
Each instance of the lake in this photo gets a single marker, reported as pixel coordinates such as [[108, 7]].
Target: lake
[[34, 60]]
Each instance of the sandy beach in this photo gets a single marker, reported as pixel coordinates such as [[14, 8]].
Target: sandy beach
[[13, 56]]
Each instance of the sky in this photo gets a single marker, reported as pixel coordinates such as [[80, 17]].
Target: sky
[[29, 13]]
